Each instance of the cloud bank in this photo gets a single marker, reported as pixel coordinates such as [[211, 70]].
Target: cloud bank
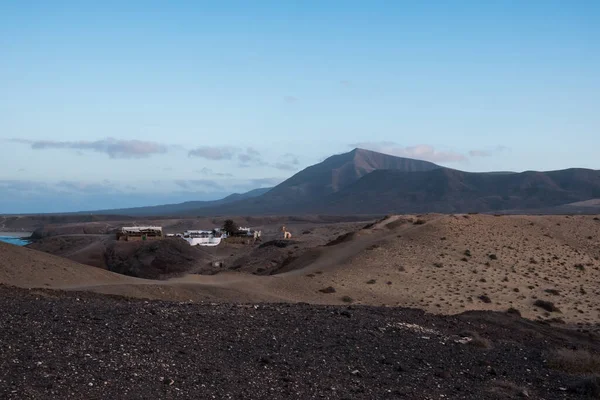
[[114, 148], [213, 152]]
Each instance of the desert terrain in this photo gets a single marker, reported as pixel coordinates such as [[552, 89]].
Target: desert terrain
[[547, 267], [425, 306], [74, 345]]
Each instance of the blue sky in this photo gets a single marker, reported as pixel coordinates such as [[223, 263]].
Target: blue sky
[[114, 104]]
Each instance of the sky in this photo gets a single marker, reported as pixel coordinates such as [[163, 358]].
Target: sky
[[116, 104]]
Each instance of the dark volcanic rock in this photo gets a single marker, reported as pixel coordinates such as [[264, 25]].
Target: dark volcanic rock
[[57, 345]]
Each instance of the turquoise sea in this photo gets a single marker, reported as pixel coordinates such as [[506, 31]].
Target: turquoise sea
[[17, 238]]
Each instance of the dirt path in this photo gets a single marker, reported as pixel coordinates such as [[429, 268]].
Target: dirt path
[[337, 256]]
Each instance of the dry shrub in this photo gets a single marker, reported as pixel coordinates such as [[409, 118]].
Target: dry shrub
[[546, 305], [513, 311], [327, 290], [477, 340], [485, 298], [347, 299], [574, 361]]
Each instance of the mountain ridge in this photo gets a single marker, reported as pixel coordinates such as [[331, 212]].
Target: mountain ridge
[[367, 182]]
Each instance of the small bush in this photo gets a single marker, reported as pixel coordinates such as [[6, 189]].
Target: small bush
[[554, 292], [438, 265], [476, 340], [546, 305], [467, 253], [596, 219], [419, 222], [347, 299], [513, 311], [485, 298], [493, 257], [328, 289], [574, 361], [580, 267], [371, 281]]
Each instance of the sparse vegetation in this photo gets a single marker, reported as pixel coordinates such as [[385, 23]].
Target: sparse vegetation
[[578, 361], [477, 340], [419, 222], [493, 257], [371, 281], [438, 264], [347, 299], [546, 305], [580, 267], [327, 290], [513, 311], [485, 298], [468, 253], [554, 292]]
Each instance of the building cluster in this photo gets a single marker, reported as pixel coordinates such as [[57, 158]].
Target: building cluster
[[193, 237]]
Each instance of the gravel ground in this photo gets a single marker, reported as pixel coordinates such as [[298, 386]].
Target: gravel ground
[[56, 345]]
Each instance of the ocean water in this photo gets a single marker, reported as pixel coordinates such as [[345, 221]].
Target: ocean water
[[16, 238]]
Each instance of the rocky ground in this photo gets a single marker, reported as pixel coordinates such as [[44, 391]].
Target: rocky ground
[[70, 345]]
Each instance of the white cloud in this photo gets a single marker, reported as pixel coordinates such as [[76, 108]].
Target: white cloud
[[421, 151]]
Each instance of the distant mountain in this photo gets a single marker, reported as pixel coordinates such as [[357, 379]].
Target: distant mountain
[[447, 191], [188, 207], [366, 182], [341, 170]]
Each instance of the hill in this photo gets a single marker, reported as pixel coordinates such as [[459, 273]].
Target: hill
[[451, 191], [29, 268], [188, 207]]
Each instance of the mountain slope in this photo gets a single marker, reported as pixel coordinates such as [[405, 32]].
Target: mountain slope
[[188, 207], [339, 171], [447, 190], [302, 191], [366, 182]]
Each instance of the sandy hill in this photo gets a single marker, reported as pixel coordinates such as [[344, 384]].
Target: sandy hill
[[449, 264], [30, 268]]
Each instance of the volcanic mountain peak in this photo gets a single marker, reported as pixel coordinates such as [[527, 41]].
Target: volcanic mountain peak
[[340, 170]]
